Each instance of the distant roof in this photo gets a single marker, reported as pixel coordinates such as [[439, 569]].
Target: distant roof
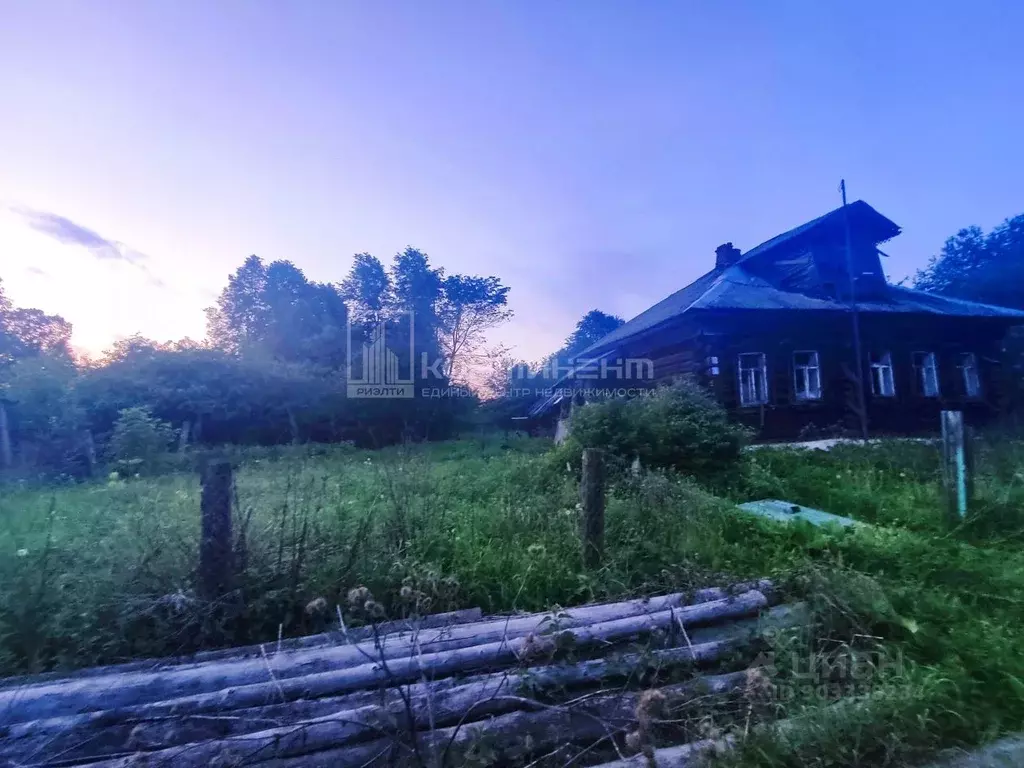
[[736, 288]]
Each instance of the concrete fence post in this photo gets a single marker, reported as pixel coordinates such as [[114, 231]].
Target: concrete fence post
[[957, 466]]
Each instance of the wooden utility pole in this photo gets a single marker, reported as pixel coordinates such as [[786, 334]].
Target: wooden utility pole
[[855, 320], [957, 467], [216, 564], [592, 503]]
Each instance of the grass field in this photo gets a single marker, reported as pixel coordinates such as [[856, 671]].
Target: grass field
[[102, 572]]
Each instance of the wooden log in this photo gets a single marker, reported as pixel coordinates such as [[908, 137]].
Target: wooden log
[[195, 678], [216, 569], [353, 635], [118, 731], [465, 705], [510, 736], [361, 717], [592, 505], [391, 633], [246, 683], [691, 755]]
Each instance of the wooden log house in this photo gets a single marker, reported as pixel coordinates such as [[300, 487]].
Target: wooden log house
[[771, 333]]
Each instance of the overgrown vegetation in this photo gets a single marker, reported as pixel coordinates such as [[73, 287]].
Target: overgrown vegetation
[[101, 572], [679, 427]]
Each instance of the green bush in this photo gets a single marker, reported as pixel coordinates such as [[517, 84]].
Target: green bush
[[678, 427], [139, 441]]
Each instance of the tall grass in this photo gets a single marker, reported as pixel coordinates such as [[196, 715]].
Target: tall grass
[[104, 571]]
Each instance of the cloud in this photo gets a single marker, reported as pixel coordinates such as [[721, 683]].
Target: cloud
[[64, 230], [68, 232], [37, 271]]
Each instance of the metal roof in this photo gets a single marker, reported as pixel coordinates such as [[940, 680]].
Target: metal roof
[[737, 288]]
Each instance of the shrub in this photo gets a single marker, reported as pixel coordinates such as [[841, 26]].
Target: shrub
[[678, 427], [138, 441]]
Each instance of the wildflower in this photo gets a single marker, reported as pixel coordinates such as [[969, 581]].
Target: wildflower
[[650, 706], [634, 742], [405, 592], [535, 549], [358, 595], [22, 552], [316, 606], [374, 609]]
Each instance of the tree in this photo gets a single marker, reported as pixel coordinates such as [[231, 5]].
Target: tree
[[979, 267], [139, 440], [366, 290], [275, 311], [7, 343], [38, 333], [469, 308], [591, 328], [239, 320]]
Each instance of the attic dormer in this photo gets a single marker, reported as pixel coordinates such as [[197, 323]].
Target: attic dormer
[[813, 258]]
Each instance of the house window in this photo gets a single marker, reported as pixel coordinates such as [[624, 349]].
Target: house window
[[968, 365], [712, 365], [806, 376], [882, 382], [926, 373], [753, 379]]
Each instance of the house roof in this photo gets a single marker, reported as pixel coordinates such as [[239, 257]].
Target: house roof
[[736, 288]]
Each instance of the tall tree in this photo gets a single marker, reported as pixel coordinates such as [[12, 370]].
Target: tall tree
[[469, 308], [275, 311], [979, 267], [416, 288], [591, 328], [366, 290], [239, 320], [36, 332]]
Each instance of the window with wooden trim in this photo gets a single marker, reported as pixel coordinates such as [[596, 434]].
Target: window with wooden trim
[[926, 374], [970, 378], [806, 376], [883, 383], [753, 373]]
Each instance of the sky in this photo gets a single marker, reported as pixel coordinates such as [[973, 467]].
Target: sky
[[590, 154]]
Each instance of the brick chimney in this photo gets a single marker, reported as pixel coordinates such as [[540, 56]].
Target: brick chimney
[[726, 255]]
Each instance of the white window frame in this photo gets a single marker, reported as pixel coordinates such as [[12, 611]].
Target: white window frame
[[970, 375], [883, 380], [804, 373], [753, 379], [926, 373]]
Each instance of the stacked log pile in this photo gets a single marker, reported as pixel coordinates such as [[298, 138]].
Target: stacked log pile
[[429, 692]]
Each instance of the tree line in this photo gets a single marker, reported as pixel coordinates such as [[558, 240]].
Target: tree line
[[272, 368]]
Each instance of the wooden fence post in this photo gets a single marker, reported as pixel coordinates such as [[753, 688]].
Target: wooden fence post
[[592, 503], [216, 563], [957, 466]]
